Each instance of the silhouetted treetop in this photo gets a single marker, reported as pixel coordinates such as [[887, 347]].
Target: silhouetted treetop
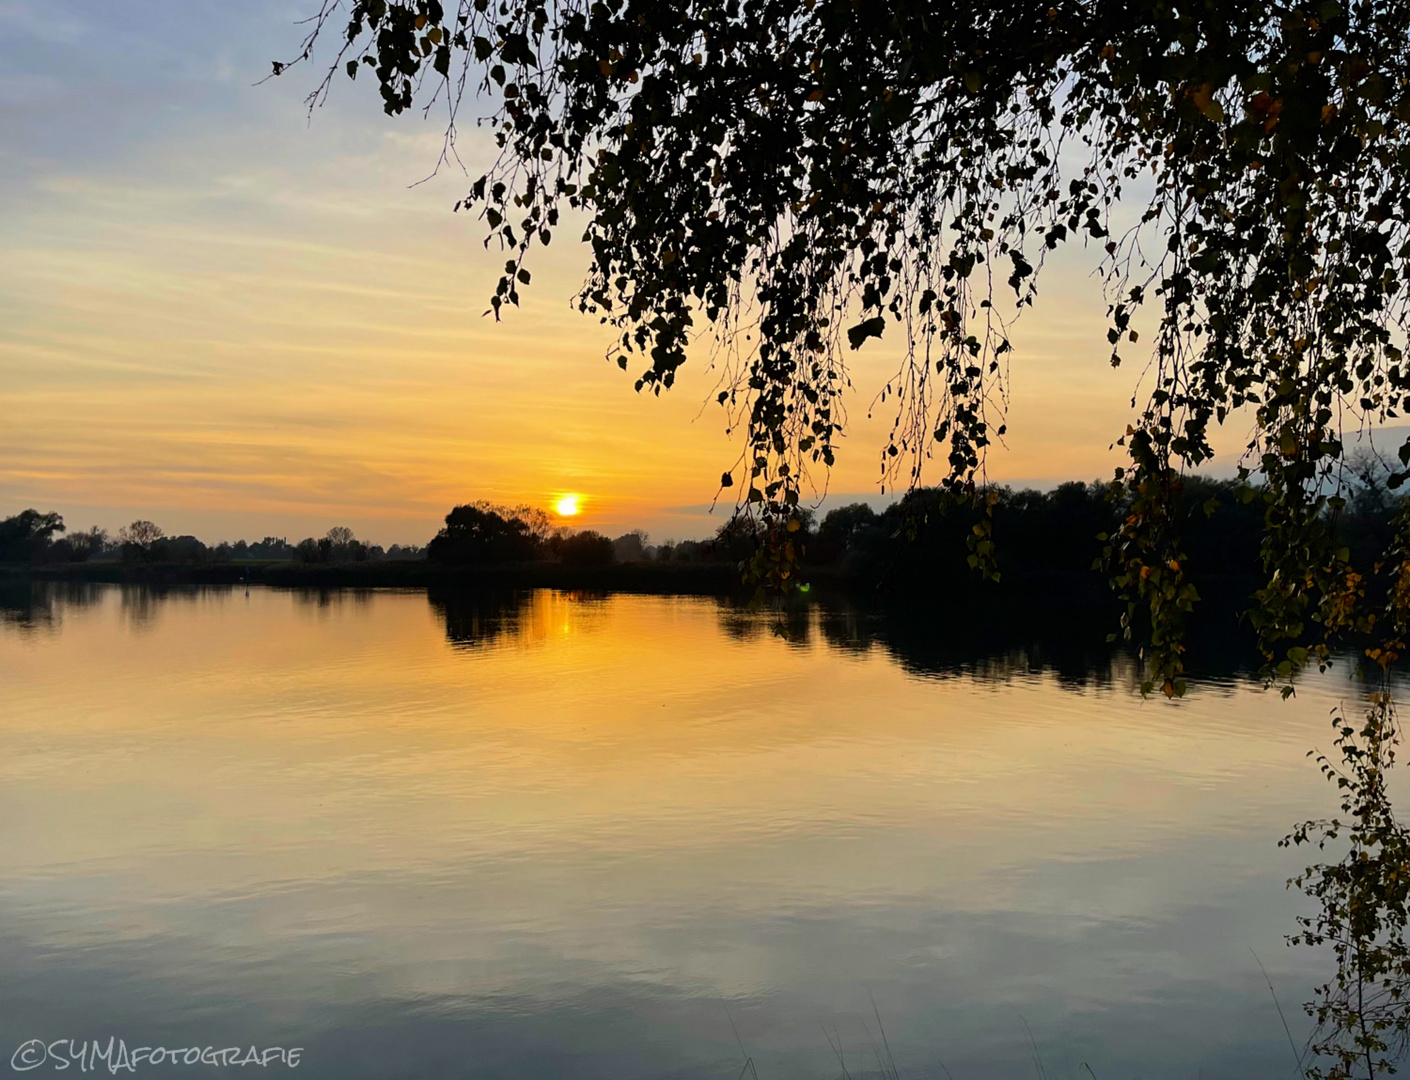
[[481, 534], [583, 549], [26, 536]]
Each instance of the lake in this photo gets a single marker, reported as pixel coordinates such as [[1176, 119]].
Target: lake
[[629, 836]]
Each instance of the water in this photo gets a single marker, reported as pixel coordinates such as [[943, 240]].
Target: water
[[598, 837]]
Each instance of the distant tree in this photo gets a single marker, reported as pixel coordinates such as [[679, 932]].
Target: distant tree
[[85, 545], [1371, 478], [271, 548], [141, 532], [687, 551], [630, 547], [179, 549], [27, 536], [535, 520], [481, 533], [584, 549], [845, 529], [343, 546], [310, 550], [138, 541], [749, 544]]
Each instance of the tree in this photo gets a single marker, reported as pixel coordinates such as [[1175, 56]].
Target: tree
[[795, 180], [343, 546], [271, 547], [27, 536], [481, 533], [630, 547], [139, 540], [585, 549], [309, 550], [141, 532], [178, 549], [843, 530], [85, 545]]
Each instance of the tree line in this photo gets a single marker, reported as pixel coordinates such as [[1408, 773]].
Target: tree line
[[34, 538], [920, 540]]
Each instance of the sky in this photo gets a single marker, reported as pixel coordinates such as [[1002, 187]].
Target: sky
[[237, 320]]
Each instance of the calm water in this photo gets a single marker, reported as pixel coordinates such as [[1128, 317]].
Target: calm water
[[564, 837]]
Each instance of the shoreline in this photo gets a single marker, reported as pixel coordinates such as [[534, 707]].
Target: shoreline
[[1049, 592], [960, 611], [712, 579]]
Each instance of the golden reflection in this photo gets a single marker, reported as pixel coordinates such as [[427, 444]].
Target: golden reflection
[[627, 721], [426, 786]]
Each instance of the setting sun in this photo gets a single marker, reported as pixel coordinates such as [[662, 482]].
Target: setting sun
[[568, 506]]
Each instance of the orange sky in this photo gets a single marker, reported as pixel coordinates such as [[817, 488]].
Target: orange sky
[[237, 323]]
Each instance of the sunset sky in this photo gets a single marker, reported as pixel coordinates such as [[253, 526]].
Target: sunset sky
[[235, 322]]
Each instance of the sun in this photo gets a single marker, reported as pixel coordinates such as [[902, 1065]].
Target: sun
[[568, 506]]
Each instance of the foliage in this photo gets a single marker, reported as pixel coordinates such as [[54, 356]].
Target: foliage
[[586, 548], [179, 549], [82, 546], [917, 545], [846, 530], [27, 536], [480, 534], [1362, 1021], [630, 547], [139, 538], [271, 548], [339, 545], [145, 542]]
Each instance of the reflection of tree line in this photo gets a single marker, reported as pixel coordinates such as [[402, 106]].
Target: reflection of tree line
[[996, 645], [993, 643], [1363, 898], [39, 606], [478, 618]]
